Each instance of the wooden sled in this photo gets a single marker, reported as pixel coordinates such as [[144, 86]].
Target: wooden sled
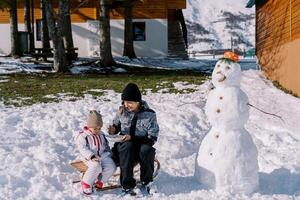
[[114, 180]]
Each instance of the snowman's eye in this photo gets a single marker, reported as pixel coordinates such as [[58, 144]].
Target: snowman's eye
[[227, 67], [218, 66]]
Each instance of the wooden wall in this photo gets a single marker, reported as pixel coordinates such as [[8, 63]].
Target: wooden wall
[[148, 9], [295, 8], [144, 10], [277, 22], [4, 17], [79, 12], [277, 39], [176, 4]]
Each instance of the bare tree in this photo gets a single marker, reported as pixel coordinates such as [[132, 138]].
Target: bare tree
[[12, 7], [128, 49], [27, 23], [106, 58], [55, 32], [64, 8], [45, 31]]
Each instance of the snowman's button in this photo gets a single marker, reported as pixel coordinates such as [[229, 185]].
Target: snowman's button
[[221, 98], [211, 154], [217, 136], [218, 110]]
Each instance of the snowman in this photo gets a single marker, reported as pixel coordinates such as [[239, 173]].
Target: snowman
[[227, 158]]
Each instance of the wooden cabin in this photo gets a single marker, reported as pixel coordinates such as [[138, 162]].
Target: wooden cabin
[[153, 22], [278, 41]]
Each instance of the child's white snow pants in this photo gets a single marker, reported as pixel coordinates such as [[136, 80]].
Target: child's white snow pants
[[105, 167]]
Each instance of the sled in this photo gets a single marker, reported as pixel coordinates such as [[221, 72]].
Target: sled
[[114, 182]]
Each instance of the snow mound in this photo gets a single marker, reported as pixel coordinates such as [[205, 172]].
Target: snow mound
[[36, 144]]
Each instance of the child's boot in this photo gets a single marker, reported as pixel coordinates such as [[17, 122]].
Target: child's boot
[[86, 188], [98, 184]]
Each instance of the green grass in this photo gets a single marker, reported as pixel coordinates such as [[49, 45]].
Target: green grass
[[28, 89]]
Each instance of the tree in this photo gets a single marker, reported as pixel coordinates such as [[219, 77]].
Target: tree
[[128, 49], [64, 8], [15, 52], [55, 32], [27, 23], [106, 58], [45, 31]]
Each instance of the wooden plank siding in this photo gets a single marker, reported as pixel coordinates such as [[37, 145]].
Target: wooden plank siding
[[149, 9], [273, 25], [4, 17], [79, 12], [295, 24], [295, 19], [176, 4], [154, 9], [278, 22], [278, 41], [118, 13]]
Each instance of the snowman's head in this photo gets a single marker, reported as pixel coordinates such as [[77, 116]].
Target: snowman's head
[[226, 73]]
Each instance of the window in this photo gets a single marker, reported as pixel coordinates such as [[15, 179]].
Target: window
[[139, 31], [39, 30]]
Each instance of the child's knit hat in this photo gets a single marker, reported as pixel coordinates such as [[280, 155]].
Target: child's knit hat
[[94, 119]]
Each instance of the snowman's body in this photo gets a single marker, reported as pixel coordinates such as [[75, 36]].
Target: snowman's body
[[227, 158]]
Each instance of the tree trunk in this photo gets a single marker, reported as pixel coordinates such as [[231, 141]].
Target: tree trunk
[[15, 52], [64, 8], [128, 49], [104, 27], [55, 32], [27, 23], [32, 24], [45, 31]]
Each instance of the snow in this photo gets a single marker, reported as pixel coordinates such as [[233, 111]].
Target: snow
[[119, 70], [37, 143], [217, 30], [11, 65], [206, 64]]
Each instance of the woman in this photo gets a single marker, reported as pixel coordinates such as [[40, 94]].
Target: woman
[[138, 123]]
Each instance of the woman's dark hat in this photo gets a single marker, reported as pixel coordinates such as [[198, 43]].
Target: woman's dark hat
[[131, 93]]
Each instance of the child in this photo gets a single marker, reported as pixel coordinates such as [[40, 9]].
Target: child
[[96, 154]]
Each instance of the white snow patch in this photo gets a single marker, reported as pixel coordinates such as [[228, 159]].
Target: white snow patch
[[10, 65], [185, 85], [120, 70], [209, 14]]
